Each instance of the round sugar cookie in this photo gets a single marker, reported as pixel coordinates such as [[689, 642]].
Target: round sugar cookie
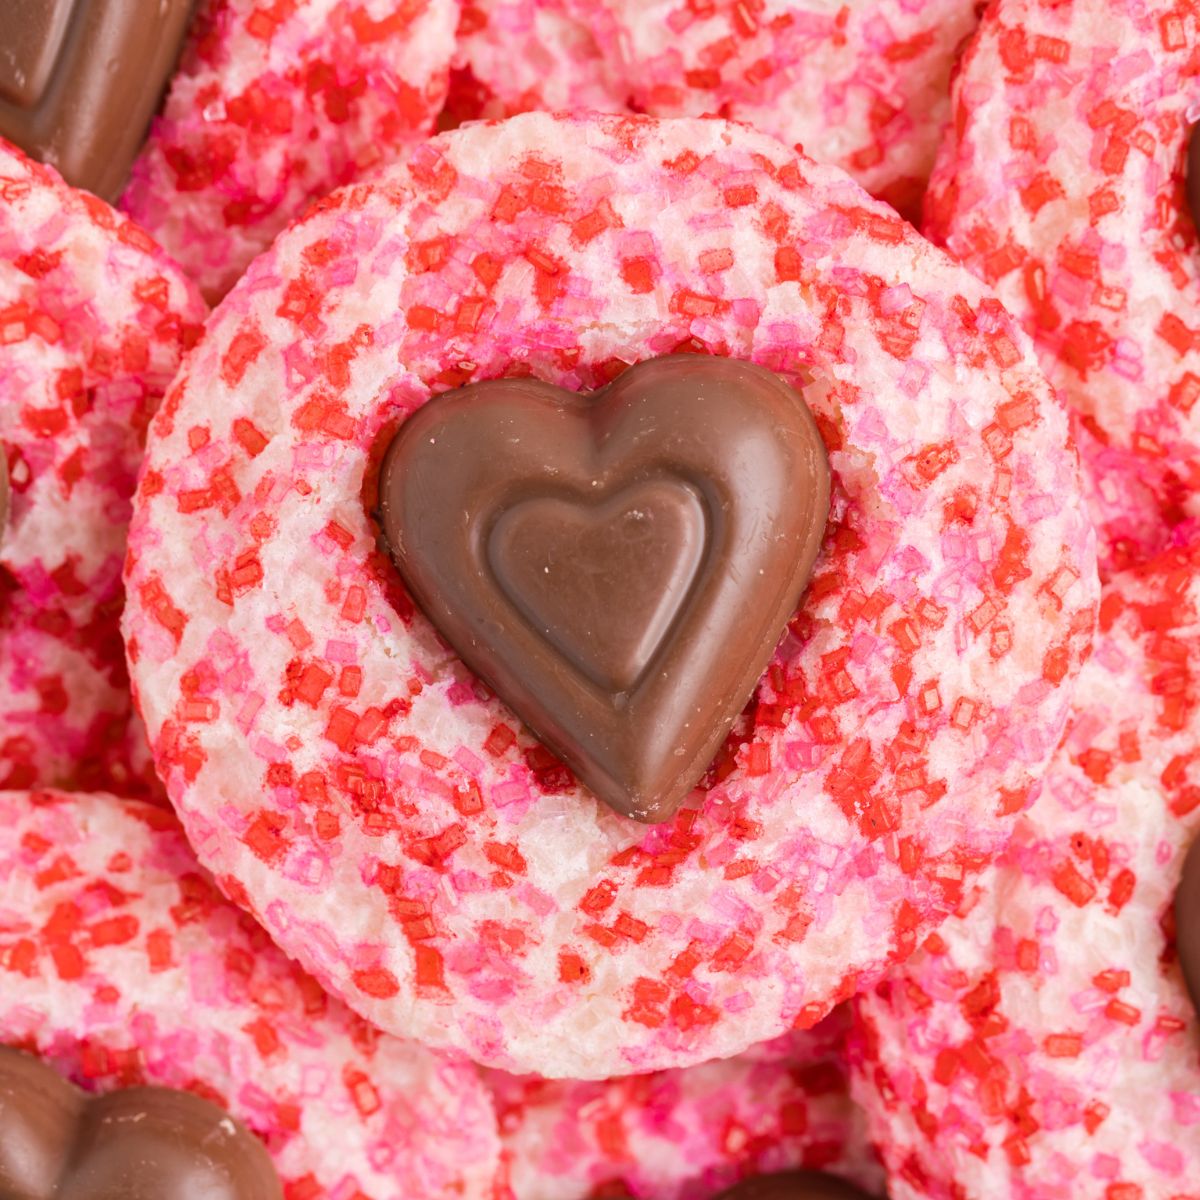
[[686, 1134], [387, 818], [272, 106], [1043, 1044], [515, 56], [1062, 186], [94, 319], [121, 964], [863, 85]]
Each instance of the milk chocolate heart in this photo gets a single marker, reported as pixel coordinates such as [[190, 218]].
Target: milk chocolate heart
[[1187, 922], [794, 1185], [618, 567], [80, 80], [143, 1143]]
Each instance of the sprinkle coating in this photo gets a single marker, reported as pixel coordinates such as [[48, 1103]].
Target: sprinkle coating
[[1077, 217], [1044, 1043], [690, 1133], [94, 319], [515, 56], [861, 84], [121, 964], [272, 106]]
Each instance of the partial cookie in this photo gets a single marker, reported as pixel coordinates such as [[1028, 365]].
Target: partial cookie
[[1044, 1044], [863, 85], [387, 818], [94, 319], [272, 107], [1062, 185], [690, 1133], [515, 56], [121, 964]]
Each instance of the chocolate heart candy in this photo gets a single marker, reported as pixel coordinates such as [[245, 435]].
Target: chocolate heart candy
[[619, 567], [143, 1143], [1187, 922], [80, 80], [794, 1185]]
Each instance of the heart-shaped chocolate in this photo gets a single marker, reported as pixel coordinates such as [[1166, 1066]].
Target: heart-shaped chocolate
[[142, 1143], [5, 493], [794, 1185], [618, 567], [1187, 922], [790, 1185], [80, 80]]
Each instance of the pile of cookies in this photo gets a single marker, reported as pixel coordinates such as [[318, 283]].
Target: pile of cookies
[[600, 600]]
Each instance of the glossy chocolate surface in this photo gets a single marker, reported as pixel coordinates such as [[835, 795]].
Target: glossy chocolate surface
[[619, 566], [1187, 922], [143, 1143], [794, 1185], [80, 80]]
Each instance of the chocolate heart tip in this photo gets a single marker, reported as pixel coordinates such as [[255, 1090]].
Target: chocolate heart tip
[[794, 1185], [139, 1143], [1186, 909], [619, 568]]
